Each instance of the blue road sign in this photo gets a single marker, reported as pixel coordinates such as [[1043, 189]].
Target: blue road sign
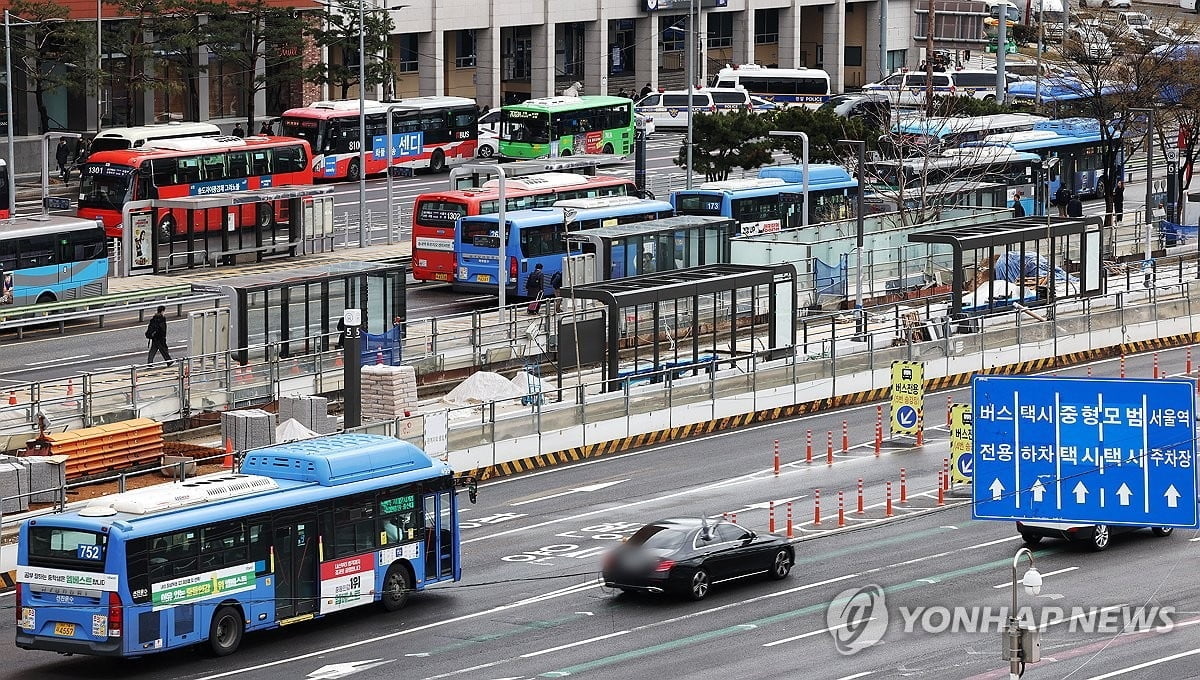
[[906, 416], [1085, 450], [403, 144], [966, 464]]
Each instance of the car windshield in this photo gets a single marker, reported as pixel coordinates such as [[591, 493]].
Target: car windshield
[[657, 536]]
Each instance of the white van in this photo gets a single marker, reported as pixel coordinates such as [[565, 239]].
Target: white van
[[1050, 14], [670, 108], [908, 88]]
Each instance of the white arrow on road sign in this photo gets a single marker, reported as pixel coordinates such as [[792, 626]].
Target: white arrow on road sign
[[568, 492], [906, 416], [1038, 491], [1080, 492], [997, 489], [1124, 492], [341, 670], [1172, 495]]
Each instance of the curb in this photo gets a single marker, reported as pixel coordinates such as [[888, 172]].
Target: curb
[[638, 441]]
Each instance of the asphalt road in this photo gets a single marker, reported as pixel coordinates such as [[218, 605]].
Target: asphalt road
[[530, 604]]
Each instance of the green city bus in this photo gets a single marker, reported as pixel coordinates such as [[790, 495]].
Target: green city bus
[[562, 126]]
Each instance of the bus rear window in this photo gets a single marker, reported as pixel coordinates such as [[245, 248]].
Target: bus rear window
[[699, 204], [480, 234], [439, 213], [70, 548]]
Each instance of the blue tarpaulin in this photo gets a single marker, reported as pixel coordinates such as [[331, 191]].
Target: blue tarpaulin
[[830, 279], [1013, 267], [1176, 234], [388, 345]]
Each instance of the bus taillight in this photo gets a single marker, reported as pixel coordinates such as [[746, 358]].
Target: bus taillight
[[116, 615], [512, 268]]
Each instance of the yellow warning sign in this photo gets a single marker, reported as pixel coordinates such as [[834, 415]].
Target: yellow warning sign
[[962, 460], [908, 396]]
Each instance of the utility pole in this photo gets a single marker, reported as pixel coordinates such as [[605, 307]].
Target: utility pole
[[928, 61]]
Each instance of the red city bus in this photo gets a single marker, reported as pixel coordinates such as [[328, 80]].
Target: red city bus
[[172, 168], [435, 213], [432, 132]]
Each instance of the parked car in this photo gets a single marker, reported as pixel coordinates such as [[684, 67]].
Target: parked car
[[1114, 4], [909, 88], [873, 106], [670, 108], [760, 105], [488, 145], [1087, 44], [686, 556], [1095, 536], [490, 122]]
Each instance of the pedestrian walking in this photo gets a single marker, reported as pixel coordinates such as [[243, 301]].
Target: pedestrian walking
[[82, 150], [1119, 199], [266, 128], [535, 288], [62, 154], [238, 130], [1061, 198], [156, 336], [1018, 209], [1075, 206]]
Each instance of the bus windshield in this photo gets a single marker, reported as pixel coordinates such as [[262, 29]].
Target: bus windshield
[[104, 186], [525, 126], [307, 129]]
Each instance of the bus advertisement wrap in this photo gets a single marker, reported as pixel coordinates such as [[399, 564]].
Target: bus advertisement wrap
[[44, 576], [225, 581], [404, 144], [347, 582]]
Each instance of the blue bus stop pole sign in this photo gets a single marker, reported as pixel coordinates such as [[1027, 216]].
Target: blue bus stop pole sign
[[1085, 450]]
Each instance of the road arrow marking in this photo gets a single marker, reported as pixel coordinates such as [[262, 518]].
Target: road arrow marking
[[997, 489], [341, 670], [1038, 491], [568, 492], [1124, 493], [1080, 492], [1172, 496]]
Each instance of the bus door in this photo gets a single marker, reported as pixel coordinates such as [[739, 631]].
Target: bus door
[[439, 536], [295, 566]]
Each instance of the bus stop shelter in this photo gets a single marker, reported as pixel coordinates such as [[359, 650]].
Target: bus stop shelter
[[146, 248], [676, 321], [1021, 249]]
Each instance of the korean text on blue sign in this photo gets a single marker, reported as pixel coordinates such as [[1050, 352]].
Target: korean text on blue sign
[[1085, 450], [223, 186], [403, 144]]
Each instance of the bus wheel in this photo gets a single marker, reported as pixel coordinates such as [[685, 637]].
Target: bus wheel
[[564, 153], [608, 149], [46, 298], [225, 633], [166, 229], [396, 587], [266, 215], [437, 162], [352, 170]]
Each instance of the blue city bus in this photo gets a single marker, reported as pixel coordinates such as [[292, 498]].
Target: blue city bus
[[536, 236], [769, 202], [1065, 96], [1075, 142], [1018, 170], [946, 132], [49, 258], [300, 531], [653, 246]]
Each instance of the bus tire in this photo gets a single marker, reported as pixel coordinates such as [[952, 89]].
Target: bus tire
[[225, 633], [564, 153], [397, 585], [166, 229], [608, 149], [352, 170], [437, 162], [266, 215], [46, 298]]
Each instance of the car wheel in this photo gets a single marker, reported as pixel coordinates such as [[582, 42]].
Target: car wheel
[[990, 98], [485, 151], [698, 589], [225, 633], [352, 170], [781, 565], [1163, 531], [1099, 538], [1031, 539], [1105, 4], [396, 588]]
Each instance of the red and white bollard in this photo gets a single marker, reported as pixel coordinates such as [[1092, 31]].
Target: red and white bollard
[[829, 450], [733, 517], [946, 473], [903, 486], [1156, 365], [789, 519], [941, 491], [776, 457], [878, 439], [1188, 364], [1122, 365], [888, 506], [771, 516], [921, 435], [861, 509], [949, 404], [808, 446], [816, 507], [845, 437], [1089, 370], [841, 510]]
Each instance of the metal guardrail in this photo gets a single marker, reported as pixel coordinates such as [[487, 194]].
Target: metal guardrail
[[20, 318]]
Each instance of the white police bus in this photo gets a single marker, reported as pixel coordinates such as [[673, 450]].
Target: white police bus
[[783, 86]]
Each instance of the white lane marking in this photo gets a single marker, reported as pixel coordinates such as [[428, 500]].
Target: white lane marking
[[1049, 573], [1147, 664], [57, 361], [811, 633], [1080, 615], [576, 644], [857, 675], [579, 489]]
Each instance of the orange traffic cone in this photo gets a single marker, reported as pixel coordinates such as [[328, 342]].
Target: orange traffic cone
[[337, 360], [228, 462], [71, 393], [12, 397], [295, 367], [378, 358]]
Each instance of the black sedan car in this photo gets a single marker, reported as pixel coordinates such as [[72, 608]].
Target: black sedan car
[[688, 555]]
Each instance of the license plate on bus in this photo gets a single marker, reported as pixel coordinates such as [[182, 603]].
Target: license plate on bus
[[441, 277], [64, 629], [484, 278]]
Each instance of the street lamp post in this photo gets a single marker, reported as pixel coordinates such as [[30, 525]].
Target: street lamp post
[[12, 156], [691, 75], [1016, 651], [1147, 264], [362, 125], [501, 225], [804, 163], [860, 318], [99, 62]]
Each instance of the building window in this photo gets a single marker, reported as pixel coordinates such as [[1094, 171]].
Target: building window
[[896, 60], [407, 54], [674, 33], [720, 30], [766, 26], [465, 49], [853, 56], [224, 88]]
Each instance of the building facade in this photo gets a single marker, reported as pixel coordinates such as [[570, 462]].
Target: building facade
[[510, 50]]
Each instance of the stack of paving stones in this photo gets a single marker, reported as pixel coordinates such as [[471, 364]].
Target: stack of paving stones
[[388, 392], [30, 479], [311, 412], [247, 429]]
